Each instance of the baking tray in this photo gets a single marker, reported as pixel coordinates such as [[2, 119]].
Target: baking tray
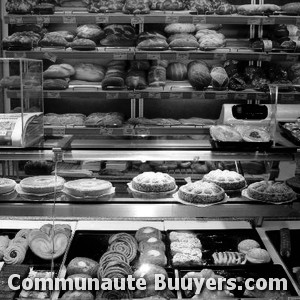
[[272, 271], [93, 244], [30, 258], [294, 259], [241, 145], [288, 134], [220, 241], [83, 48]]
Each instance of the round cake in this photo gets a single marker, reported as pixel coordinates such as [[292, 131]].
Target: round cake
[[271, 191], [41, 184], [153, 182], [87, 187], [201, 192], [228, 180], [7, 185]]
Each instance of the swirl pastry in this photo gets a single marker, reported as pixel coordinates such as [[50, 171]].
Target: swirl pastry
[[14, 254], [114, 295], [23, 233], [229, 258], [117, 269], [152, 243], [145, 233], [124, 243], [4, 243]]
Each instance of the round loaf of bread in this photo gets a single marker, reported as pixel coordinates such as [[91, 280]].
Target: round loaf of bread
[[41, 184], [87, 187], [153, 182], [6, 185]]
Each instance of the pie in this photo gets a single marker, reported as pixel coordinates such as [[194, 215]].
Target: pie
[[42, 184], [228, 180], [87, 187], [225, 133], [153, 182], [270, 191], [6, 185], [201, 192]]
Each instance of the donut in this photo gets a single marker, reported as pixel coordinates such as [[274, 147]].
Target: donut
[[145, 233], [258, 256], [6, 185], [87, 187], [246, 245], [41, 184]]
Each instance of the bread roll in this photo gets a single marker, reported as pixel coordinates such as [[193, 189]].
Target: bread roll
[[83, 43], [56, 84], [90, 31], [59, 71], [153, 43], [89, 72]]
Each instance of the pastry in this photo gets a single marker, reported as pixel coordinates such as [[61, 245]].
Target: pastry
[[87, 187], [229, 258], [153, 182], [180, 247], [40, 185], [258, 256], [153, 256], [183, 259], [228, 180], [270, 191], [201, 192], [113, 294], [246, 245], [152, 243], [77, 295], [49, 242], [225, 133], [117, 269], [23, 233], [14, 253], [145, 233], [124, 243], [176, 236], [82, 265], [7, 185]]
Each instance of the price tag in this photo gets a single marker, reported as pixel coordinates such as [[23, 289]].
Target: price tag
[[102, 19], [128, 131], [19, 54], [198, 95], [254, 21], [3, 132], [182, 56], [50, 56], [176, 96], [59, 131], [55, 95], [171, 19], [285, 97], [137, 20], [142, 131], [16, 20], [265, 57], [153, 56], [42, 20], [262, 97], [220, 56], [134, 95], [221, 96], [241, 96], [268, 21], [291, 57], [112, 95], [152, 95], [120, 56], [69, 20], [106, 131], [199, 19]]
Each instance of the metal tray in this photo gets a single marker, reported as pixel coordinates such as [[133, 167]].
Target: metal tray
[[288, 134]]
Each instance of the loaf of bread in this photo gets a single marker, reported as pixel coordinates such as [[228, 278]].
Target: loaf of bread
[[112, 119], [212, 41], [219, 78], [57, 38], [202, 32], [153, 43], [182, 41], [115, 75], [24, 39], [56, 84], [20, 6], [150, 35], [136, 7], [105, 6], [199, 75], [257, 9], [83, 43], [167, 5], [90, 31], [291, 8], [89, 72], [201, 6], [180, 28], [226, 9], [59, 71]]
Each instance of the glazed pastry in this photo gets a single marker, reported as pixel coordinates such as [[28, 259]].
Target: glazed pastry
[[258, 256], [229, 258], [7, 185], [124, 243], [24, 233], [176, 236], [42, 184], [152, 243], [182, 259], [145, 233], [153, 256], [246, 245], [14, 254]]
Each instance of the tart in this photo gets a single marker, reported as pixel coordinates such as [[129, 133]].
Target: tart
[[201, 192], [42, 184], [271, 191], [87, 187], [153, 182], [6, 185], [228, 180], [225, 133]]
